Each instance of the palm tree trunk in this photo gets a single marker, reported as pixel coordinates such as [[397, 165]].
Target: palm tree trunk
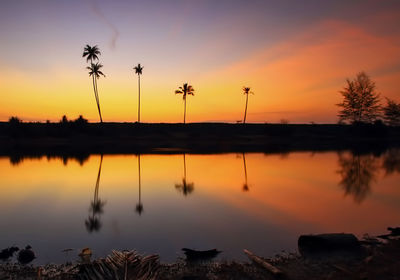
[[245, 110], [184, 112], [139, 100], [98, 102], [96, 97]]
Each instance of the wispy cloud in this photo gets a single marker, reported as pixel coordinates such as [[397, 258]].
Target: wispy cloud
[[99, 13]]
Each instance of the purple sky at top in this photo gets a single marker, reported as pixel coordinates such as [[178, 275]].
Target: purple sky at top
[[37, 34]]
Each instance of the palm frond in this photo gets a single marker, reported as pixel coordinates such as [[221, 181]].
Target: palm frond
[[94, 69], [91, 53], [246, 90], [138, 69]]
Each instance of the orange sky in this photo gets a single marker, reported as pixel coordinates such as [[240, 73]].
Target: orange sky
[[295, 68]]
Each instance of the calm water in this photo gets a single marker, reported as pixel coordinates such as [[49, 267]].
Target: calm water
[[230, 202]]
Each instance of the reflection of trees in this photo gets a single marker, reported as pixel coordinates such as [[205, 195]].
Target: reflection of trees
[[245, 185], [93, 222], [391, 161], [186, 188], [357, 172], [139, 206]]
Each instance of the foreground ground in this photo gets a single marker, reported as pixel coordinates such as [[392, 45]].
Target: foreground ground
[[381, 261]]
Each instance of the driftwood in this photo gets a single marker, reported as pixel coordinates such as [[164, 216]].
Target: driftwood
[[263, 263], [122, 265], [195, 255]]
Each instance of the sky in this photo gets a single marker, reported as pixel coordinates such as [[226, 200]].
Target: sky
[[295, 56]]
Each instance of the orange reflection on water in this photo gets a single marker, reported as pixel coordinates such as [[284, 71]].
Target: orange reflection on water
[[291, 194]]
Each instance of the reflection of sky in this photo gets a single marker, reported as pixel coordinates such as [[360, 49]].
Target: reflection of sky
[[45, 204], [295, 54]]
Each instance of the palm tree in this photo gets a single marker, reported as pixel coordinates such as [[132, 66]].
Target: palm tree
[[186, 188], [138, 70], [246, 91], [91, 53], [185, 90], [139, 206], [94, 71]]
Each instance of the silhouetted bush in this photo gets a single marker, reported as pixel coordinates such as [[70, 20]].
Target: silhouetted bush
[[81, 120], [14, 120], [64, 119]]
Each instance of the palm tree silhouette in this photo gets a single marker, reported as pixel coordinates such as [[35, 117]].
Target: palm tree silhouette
[[245, 185], [186, 188], [185, 90], [95, 72], [92, 54], [246, 91], [138, 70], [93, 222], [139, 206]]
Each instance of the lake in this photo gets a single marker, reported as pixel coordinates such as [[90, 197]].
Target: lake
[[162, 203]]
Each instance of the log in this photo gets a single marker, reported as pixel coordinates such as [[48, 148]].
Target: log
[[325, 243], [263, 263]]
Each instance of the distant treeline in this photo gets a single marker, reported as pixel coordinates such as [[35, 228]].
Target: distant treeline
[[79, 136]]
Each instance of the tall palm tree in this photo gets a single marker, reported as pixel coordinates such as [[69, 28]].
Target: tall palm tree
[[138, 70], [139, 206], [185, 90], [95, 72], [93, 222], [246, 91], [186, 188]]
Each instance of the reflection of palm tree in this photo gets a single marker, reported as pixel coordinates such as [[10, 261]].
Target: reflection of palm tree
[[357, 172], [185, 90], [245, 185], [186, 188], [93, 222], [139, 206]]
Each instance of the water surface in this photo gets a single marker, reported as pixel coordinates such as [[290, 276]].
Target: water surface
[[261, 202]]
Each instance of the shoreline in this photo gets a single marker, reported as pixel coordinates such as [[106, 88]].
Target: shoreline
[[381, 260], [137, 138]]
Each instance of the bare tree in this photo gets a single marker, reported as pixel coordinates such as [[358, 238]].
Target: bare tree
[[360, 100]]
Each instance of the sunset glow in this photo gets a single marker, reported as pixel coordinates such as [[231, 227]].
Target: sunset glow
[[294, 55]]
